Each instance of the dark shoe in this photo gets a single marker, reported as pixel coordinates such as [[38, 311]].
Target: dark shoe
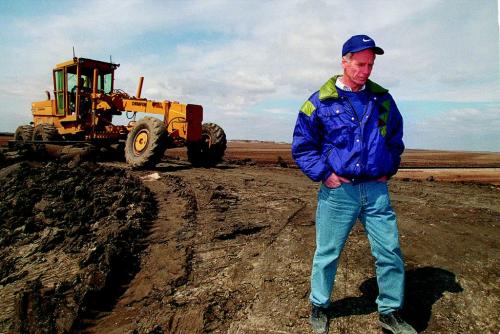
[[395, 324], [319, 320]]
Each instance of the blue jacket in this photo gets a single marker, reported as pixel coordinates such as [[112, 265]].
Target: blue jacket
[[329, 137]]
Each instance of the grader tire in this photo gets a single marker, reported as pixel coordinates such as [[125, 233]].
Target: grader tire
[[23, 133], [45, 132], [210, 150], [146, 143]]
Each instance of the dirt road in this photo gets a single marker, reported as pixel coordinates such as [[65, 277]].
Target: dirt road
[[228, 250]]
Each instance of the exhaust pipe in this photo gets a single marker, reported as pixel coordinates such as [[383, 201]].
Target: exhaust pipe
[[139, 88]]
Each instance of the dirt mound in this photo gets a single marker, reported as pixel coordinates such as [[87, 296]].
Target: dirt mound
[[68, 241]]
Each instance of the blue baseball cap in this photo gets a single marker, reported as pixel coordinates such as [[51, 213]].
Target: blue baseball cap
[[359, 43]]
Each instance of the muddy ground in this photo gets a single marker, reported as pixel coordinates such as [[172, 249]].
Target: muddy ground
[[93, 247]]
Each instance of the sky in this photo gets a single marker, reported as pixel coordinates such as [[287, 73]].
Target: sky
[[252, 64]]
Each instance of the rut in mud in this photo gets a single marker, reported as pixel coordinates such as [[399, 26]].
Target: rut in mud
[[211, 233]]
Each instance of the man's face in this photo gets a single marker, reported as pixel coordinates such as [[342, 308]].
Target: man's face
[[358, 69]]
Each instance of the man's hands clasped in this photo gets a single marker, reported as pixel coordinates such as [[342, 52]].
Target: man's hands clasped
[[335, 181]]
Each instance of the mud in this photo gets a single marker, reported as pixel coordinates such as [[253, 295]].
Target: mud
[[68, 238], [226, 250]]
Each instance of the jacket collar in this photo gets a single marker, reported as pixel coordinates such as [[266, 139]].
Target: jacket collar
[[329, 90]]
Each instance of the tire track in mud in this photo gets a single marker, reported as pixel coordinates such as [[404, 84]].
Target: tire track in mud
[[245, 263], [199, 236], [147, 305], [209, 252], [281, 279], [226, 229]]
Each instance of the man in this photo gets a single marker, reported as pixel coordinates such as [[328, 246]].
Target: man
[[348, 135]]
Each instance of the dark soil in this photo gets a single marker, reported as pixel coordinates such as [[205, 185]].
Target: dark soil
[[69, 239]]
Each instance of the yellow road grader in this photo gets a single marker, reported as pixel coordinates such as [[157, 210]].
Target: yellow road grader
[[85, 102]]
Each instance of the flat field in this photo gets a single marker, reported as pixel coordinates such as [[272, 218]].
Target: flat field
[[458, 166]]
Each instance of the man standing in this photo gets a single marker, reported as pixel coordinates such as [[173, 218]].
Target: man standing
[[348, 135]]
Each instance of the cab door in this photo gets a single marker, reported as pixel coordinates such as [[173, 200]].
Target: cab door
[[65, 90], [59, 91]]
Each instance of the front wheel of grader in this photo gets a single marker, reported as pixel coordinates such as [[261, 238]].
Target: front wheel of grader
[[46, 132], [23, 133], [210, 150], [146, 143]]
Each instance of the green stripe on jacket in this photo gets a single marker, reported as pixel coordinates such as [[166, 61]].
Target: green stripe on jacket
[[308, 108]]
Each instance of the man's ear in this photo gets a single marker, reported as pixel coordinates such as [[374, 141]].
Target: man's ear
[[344, 62]]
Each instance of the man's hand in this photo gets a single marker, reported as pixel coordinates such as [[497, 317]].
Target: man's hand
[[334, 181]]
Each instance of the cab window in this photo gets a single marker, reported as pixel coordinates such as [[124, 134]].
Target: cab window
[[105, 83], [59, 91]]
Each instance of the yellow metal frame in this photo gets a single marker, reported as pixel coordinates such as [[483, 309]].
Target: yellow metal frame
[[182, 120]]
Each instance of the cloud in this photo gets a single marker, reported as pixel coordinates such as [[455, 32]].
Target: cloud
[[233, 56], [278, 111], [466, 129]]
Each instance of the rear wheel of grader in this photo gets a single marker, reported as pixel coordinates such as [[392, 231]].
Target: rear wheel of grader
[[146, 143], [46, 132], [210, 150], [23, 133]]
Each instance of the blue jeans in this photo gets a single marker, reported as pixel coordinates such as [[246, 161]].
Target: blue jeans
[[337, 211]]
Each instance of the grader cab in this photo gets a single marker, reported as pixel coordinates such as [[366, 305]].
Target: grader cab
[[85, 102]]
